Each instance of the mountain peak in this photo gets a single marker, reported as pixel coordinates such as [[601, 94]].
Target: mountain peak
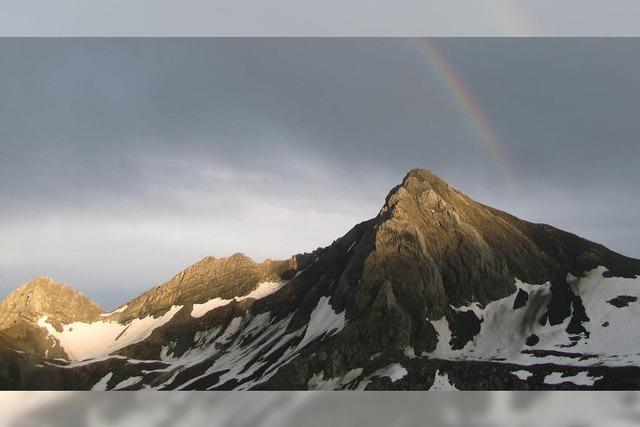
[[45, 282], [436, 245], [423, 175], [421, 191], [42, 296]]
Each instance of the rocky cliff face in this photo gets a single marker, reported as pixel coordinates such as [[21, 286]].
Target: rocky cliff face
[[436, 288], [21, 310], [432, 251], [209, 278], [432, 248]]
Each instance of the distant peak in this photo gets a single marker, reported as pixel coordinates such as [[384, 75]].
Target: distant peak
[[44, 279], [44, 296], [45, 284]]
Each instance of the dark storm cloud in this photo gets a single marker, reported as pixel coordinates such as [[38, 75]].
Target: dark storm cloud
[[122, 161]]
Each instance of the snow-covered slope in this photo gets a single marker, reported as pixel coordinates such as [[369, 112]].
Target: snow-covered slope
[[247, 351], [517, 335], [91, 340], [97, 339]]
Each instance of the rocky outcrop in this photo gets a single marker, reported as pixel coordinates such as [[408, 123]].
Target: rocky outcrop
[[20, 311], [209, 278], [43, 296]]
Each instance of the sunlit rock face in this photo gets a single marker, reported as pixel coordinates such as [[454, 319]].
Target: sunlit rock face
[[436, 291], [209, 278], [20, 311]]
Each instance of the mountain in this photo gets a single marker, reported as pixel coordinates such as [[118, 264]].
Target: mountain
[[437, 291], [207, 279], [22, 309]]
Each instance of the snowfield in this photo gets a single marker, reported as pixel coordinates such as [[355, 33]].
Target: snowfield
[[504, 330], [249, 350], [83, 341], [264, 289], [243, 347]]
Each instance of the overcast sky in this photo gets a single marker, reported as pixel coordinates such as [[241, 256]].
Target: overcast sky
[[123, 161], [322, 18]]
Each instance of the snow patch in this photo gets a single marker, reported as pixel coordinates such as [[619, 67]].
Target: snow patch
[[443, 349], [441, 383], [394, 372], [317, 381], [323, 321], [264, 289], [522, 374], [102, 384], [200, 310], [409, 352], [83, 341], [127, 382], [581, 378]]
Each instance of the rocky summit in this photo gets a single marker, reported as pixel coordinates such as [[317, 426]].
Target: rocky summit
[[22, 309], [436, 292]]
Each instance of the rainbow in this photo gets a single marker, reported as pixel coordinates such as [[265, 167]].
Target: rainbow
[[465, 101]]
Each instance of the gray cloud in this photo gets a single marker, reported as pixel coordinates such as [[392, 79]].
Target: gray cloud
[[327, 18], [124, 160]]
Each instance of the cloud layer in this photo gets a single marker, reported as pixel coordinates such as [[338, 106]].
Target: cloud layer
[[123, 161]]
